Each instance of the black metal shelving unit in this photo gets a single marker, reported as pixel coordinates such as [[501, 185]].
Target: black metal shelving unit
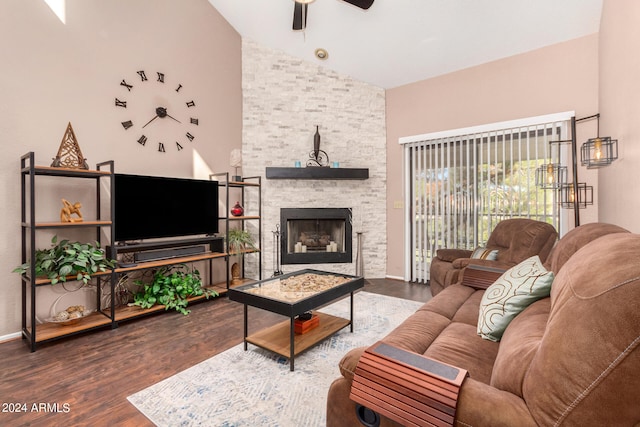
[[247, 183], [33, 332]]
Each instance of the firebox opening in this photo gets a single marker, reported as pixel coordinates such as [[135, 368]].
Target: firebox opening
[[316, 235]]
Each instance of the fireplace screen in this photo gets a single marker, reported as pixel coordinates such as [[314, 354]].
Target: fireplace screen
[[316, 236]]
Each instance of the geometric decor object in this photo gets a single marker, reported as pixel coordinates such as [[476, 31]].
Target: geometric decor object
[[599, 152], [551, 176], [69, 154], [568, 195]]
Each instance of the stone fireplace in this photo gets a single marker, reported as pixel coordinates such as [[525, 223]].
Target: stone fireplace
[[316, 235], [284, 99]]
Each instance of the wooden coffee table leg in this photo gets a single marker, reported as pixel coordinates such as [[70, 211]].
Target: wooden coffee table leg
[[291, 343]]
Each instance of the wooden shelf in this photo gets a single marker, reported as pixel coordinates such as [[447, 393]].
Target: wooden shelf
[[241, 184], [68, 172], [48, 331], [276, 338], [244, 252], [171, 261], [241, 282], [242, 218], [40, 281], [132, 312], [93, 223]]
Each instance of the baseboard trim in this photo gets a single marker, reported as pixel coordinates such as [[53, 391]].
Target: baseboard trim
[[10, 337], [394, 278]]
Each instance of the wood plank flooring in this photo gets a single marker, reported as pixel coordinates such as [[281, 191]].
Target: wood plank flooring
[[85, 380]]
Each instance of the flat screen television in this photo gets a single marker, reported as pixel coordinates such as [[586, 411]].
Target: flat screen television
[[148, 207]]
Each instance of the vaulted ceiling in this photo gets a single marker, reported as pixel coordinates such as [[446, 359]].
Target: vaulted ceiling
[[396, 42]]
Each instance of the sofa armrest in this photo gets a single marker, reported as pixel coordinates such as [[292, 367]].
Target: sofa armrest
[[451, 255], [481, 276], [406, 387]]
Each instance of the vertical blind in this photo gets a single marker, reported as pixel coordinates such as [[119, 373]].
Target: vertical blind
[[459, 186]]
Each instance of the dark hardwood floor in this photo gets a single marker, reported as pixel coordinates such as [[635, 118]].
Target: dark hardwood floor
[[87, 378]]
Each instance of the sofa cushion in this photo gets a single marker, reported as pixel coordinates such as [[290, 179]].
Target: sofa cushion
[[518, 346], [459, 345], [515, 290]]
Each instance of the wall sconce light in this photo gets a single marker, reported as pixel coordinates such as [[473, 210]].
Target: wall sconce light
[[551, 176], [568, 195], [598, 152]]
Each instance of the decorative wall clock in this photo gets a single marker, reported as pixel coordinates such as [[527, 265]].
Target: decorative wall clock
[[157, 112]]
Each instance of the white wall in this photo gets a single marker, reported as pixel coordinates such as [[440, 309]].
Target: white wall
[[54, 73]]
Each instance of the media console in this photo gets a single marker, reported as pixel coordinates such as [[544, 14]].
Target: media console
[[168, 249]]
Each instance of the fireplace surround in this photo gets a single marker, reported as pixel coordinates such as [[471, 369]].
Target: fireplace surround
[[316, 235]]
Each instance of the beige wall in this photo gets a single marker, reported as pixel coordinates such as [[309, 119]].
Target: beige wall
[[620, 111], [54, 73], [558, 78]]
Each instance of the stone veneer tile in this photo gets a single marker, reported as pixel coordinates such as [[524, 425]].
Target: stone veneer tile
[[283, 101]]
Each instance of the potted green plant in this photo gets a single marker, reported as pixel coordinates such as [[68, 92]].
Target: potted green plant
[[67, 260], [238, 242], [171, 287]]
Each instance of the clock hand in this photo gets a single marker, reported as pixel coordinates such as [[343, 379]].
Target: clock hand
[[150, 121], [174, 118]]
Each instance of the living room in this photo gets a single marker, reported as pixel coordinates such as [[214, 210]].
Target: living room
[[70, 71]]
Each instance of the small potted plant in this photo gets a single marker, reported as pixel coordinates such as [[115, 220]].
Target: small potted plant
[[238, 242], [67, 260]]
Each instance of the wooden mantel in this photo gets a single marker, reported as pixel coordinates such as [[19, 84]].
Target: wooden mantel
[[316, 172]]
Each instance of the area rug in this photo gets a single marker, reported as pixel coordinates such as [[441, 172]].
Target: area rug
[[256, 387]]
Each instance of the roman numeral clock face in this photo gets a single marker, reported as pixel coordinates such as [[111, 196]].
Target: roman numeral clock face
[[156, 111]]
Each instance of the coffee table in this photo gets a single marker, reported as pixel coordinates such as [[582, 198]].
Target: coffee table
[[290, 295]]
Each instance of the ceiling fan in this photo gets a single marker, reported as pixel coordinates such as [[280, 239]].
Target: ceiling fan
[[300, 11]]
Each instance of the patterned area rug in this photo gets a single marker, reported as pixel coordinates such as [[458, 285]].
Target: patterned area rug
[[256, 388]]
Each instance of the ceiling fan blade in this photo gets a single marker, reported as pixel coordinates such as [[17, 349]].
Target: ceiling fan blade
[[362, 4], [299, 16]]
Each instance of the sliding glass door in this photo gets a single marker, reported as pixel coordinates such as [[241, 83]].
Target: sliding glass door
[[460, 186]]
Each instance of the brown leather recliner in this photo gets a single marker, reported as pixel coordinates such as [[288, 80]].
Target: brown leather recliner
[[515, 239]]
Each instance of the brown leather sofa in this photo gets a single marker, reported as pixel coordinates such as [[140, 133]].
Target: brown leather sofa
[[515, 239], [571, 359]]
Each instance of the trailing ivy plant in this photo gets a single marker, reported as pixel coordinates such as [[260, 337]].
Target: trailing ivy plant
[[67, 260], [171, 286]]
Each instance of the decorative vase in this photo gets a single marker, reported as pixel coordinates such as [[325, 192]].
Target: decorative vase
[[237, 210], [235, 274], [316, 143]]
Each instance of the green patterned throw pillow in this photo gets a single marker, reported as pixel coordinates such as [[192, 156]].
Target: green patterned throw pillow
[[514, 291]]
